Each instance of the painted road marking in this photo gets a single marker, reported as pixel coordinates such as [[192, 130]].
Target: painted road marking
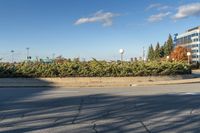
[[57, 91]]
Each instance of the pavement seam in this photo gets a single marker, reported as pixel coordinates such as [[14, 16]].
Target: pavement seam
[[79, 111], [2, 118], [106, 114], [146, 128], [142, 123], [192, 111], [94, 128]]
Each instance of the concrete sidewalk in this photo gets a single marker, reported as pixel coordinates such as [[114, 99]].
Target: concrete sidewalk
[[97, 81], [169, 82]]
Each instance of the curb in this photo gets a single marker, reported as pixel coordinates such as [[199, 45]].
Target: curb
[[96, 82], [186, 81]]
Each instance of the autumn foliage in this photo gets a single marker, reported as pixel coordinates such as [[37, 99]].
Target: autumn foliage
[[179, 54]]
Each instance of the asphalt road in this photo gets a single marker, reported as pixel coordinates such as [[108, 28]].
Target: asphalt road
[[153, 109], [196, 73]]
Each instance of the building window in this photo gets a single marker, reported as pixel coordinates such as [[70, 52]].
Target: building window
[[194, 51], [194, 56]]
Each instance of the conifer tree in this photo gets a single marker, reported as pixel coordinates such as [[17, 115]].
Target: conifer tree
[[151, 53], [157, 51], [168, 46], [162, 54]]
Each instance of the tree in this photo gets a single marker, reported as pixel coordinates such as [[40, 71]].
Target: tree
[[179, 54], [170, 43], [161, 51], [157, 51], [60, 59], [162, 54], [151, 53], [166, 51], [168, 46]]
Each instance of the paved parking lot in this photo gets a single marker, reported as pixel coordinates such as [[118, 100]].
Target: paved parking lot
[[152, 109]]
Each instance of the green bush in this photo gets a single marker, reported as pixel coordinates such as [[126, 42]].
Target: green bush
[[93, 68]]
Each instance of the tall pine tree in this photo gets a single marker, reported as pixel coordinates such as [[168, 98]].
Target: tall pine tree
[[162, 53], [168, 46], [157, 52], [151, 53]]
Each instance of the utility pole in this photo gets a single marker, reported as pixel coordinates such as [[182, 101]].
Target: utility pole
[[37, 58], [53, 56], [143, 55]]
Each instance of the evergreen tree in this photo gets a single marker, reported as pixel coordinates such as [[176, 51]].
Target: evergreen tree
[[170, 43], [151, 53], [157, 51], [162, 53], [168, 46], [166, 53]]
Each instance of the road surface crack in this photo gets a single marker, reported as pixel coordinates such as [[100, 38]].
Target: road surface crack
[[2, 118], [141, 122], [94, 128], [79, 111], [146, 128]]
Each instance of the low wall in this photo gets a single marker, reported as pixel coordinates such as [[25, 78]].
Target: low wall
[[86, 81]]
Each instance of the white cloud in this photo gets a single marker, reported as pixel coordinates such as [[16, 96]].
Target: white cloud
[[164, 7], [157, 6], [158, 17], [188, 10], [106, 18]]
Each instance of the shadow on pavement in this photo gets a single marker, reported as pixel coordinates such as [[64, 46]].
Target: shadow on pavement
[[196, 74], [37, 110]]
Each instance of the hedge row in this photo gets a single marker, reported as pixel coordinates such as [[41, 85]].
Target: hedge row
[[93, 68]]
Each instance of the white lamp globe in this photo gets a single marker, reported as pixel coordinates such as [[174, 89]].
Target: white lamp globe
[[121, 51], [188, 53]]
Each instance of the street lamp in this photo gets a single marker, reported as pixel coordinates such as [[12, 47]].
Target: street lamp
[[27, 56], [121, 51], [188, 54], [167, 57], [12, 55]]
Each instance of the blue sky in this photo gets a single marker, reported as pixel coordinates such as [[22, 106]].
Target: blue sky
[[91, 28]]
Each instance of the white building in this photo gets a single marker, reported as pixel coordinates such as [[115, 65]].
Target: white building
[[191, 40]]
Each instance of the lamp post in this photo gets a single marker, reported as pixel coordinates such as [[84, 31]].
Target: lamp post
[[167, 58], [12, 55], [188, 55], [27, 54], [121, 51]]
